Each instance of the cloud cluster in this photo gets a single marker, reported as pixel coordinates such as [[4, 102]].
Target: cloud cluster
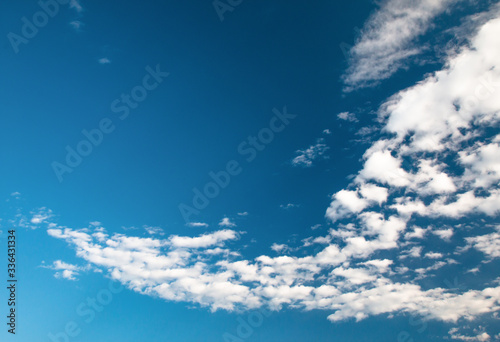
[[437, 161], [65, 270], [439, 156]]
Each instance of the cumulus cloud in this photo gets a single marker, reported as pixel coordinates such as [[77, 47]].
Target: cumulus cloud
[[489, 244], [437, 117], [181, 268]]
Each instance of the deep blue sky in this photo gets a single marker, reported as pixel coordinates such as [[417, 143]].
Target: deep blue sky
[[225, 79]]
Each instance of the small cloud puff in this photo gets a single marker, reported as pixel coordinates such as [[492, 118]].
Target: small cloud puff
[[226, 222], [346, 116], [104, 60], [289, 206], [197, 224]]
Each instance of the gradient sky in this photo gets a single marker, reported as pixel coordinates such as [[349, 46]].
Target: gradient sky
[[369, 212]]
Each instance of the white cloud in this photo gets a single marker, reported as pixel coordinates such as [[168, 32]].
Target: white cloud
[[418, 233], [154, 230], [347, 202], [104, 60], [481, 337], [355, 276], [289, 206], [484, 164], [404, 178], [243, 214], [226, 222], [40, 216], [414, 252], [374, 193], [197, 224], [444, 234], [386, 40], [433, 255], [383, 167], [305, 158], [489, 244], [203, 241], [279, 247], [434, 116], [65, 270], [179, 269], [77, 25], [346, 116]]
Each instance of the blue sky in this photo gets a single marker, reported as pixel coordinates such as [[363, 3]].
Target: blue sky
[[252, 171]]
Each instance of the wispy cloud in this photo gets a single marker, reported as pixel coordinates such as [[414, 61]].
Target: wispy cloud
[[154, 230], [387, 38], [346, 116], [75, 4], [288, 206], [479, 337], [65, 270], [77, 25], [104, 60], [40, 216], [197, 224], [305, 158]]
